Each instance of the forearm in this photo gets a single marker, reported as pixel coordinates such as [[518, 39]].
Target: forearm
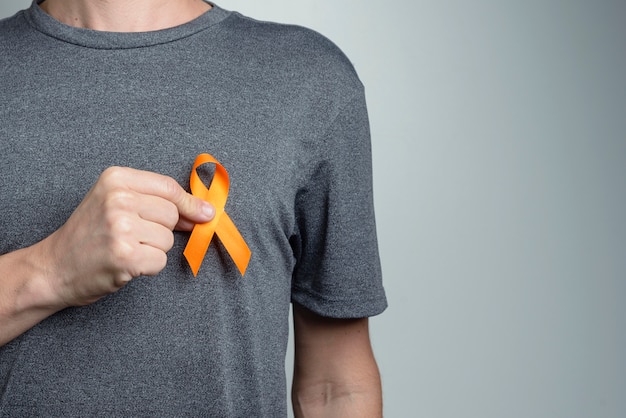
[[122, 229], [360, 398], [335, 372], [25, 297]]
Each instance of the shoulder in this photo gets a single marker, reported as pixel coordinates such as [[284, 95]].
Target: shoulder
[[14, 32], [285, 36], [294, 49], [16, 44], [10, 25]]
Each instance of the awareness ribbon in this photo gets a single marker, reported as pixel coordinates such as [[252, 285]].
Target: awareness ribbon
[[222, 225]]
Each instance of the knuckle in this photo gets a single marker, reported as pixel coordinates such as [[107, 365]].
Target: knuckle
[[120, 227], [113, 175], [171, 216], [169, 243], [122, 255], [119, 199], [172, 188], [160, 262], [119, 281]]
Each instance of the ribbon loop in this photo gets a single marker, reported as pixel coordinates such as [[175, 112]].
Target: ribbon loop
[[221, 225]]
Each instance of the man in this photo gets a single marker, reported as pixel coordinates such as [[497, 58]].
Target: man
[[105, 105]]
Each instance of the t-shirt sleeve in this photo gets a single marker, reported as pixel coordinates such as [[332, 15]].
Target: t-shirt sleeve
[[338, 272]]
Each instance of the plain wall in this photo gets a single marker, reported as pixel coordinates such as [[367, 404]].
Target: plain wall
[[499, 139]]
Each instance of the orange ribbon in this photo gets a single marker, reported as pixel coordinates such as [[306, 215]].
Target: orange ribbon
[[222, 225]]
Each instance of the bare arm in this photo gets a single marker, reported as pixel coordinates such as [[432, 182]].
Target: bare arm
[[24, 297], [121, 230], [335, 373]]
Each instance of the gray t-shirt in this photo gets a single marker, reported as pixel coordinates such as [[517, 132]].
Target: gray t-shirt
[[284, 112]]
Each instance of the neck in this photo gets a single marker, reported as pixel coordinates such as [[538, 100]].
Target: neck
[[124, 15]]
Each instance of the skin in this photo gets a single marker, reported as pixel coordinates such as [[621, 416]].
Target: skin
[[125, 16], [123, 229], [335, 373]]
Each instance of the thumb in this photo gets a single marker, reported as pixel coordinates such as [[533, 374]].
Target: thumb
[[192, 210]]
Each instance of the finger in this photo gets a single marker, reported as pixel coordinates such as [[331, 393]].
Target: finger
[[189, 207], [194, 210], [157, 210], [154, 235], [184, 225], [148, 261]]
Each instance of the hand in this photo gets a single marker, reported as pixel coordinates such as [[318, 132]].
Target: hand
[[122, 229]]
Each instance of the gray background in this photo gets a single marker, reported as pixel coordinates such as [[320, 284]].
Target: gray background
[[499, 138]]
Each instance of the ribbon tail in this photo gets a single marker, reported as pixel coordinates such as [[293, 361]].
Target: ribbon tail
[[198, 245], [233, 242]]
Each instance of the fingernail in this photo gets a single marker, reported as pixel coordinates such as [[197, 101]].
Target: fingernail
[[208, 210]]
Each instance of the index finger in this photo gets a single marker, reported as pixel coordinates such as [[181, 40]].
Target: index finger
[[189, 207]]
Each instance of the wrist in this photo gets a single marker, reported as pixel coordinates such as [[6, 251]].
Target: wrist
[[26, 296], [36, 291]]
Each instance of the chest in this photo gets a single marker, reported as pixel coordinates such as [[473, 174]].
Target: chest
[[60, 130]]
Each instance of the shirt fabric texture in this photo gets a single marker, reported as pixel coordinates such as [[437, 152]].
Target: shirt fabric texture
[[284, 112]]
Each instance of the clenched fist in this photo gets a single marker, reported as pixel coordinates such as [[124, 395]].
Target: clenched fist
[[122, 229]]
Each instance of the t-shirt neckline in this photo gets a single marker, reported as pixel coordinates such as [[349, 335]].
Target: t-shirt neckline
[[48, 25]]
